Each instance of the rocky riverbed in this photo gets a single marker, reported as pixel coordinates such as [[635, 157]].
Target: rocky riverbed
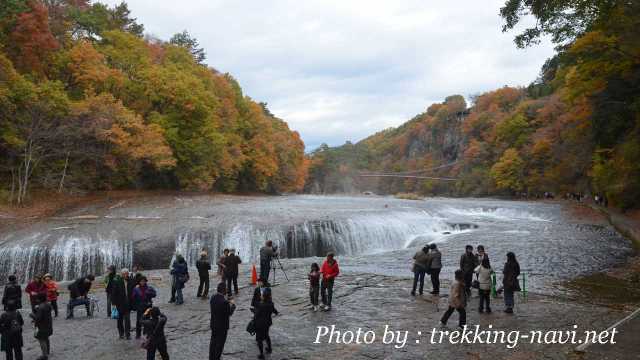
[[362, 300]]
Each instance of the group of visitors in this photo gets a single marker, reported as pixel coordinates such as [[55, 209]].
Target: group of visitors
[[478, 264], [127, 293], [43, 296]]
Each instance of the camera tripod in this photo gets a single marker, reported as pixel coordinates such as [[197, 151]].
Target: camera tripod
[[275, 263]]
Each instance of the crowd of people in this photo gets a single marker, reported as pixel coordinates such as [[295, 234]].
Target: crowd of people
[[128, 293], [428, 260]]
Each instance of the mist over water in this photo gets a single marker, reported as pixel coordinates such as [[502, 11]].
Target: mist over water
[[380, 233]]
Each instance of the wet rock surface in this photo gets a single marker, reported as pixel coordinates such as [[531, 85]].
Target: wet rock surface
[[362, 299]]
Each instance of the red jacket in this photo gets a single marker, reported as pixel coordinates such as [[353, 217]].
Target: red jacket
[[34, 288], [329, 271]]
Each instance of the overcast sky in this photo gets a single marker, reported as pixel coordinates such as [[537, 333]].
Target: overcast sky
[[342, 70]]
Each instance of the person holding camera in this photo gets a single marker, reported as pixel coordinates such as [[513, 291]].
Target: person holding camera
[[267, 253], [153, 322]]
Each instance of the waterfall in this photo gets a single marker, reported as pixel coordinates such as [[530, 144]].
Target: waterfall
[[359, 234], [71, 256]]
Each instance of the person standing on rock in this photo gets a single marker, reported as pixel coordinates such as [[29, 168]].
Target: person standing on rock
[[267, 252], [143, 295], [12, 292], [510, 281], [78, 292], [435, 265], [263, 321], [231, 271], [221, 311], [180, 276], [484, 272], [314, 285], [52, 292], [121, 295], [34, 288], [330, 271], [220, 263], [203, 267], [11, 324], [420, 266], [108, 281], [457, 300], [44, 325], [154, 322], [468, 262]]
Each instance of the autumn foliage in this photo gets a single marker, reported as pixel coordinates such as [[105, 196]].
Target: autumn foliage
[[87, 103], [575, 129]]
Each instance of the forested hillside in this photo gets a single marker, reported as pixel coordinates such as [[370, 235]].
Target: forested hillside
[[87, 102], [575, 129]]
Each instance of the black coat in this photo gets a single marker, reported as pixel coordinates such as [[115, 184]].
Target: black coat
[[510, 274], [203, 267], [154, 328], [468, 262], [79, 287], [221, 311], [43, 321], [122, 293], [108, 281], [231, 263], [263, 313], [8, 339], [12, 291], [256, 297]]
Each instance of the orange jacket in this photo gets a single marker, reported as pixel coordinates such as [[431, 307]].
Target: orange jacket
[[329, 271], [52, 290]]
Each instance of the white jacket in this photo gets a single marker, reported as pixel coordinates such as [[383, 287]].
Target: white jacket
[[484, 277]]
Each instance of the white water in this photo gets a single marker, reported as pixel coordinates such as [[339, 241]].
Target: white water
[[359, 234], [69, 257]]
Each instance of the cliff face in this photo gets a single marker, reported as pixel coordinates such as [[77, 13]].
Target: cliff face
[[430, 139]]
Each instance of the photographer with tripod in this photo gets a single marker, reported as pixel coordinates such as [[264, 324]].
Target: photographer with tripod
[[267, 253]]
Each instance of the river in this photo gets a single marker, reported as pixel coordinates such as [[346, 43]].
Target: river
[[381, 233]]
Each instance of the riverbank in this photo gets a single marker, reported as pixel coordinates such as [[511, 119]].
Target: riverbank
[[618, 286]]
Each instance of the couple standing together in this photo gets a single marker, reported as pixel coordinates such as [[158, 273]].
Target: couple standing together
[[428, 260]]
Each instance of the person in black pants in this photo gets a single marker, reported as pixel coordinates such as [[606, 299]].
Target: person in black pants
[[468, 263], [221, 311], [231, 263], [263, 321], [44, 324], [203, 265], [435, 265], [153, 323], [11, 324], [122, 297]]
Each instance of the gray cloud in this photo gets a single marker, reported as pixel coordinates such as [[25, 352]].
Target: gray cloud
[[342, 70]]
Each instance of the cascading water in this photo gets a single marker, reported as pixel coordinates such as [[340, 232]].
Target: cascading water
[[70, 256], [149, 231], [358, 234]]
